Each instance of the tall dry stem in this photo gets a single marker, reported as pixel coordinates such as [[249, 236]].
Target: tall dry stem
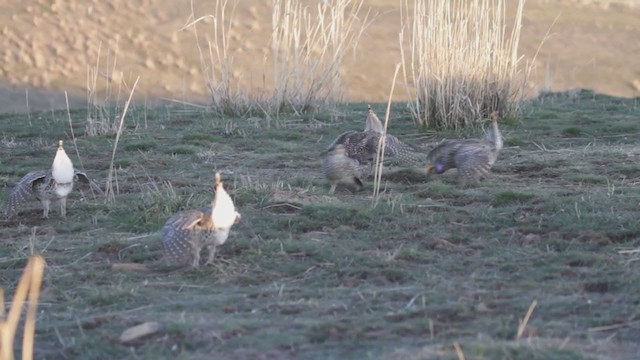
[[73, 135], [462, 64], [110, 193], [377, 176], [28, 291]]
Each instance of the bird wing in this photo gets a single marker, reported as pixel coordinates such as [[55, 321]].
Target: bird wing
[[82, 177], [177, 236], [444, 153], [355, 144], [472, 160], [343, 139], [396, 148], [19, 192], [445, 146], [363, 147], [183, 221]]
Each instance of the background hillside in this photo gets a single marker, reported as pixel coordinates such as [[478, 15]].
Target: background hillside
[[48, 47]]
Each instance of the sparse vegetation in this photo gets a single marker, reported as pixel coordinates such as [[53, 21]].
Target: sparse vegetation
[[308, 275], [307, 47], [103, 100]]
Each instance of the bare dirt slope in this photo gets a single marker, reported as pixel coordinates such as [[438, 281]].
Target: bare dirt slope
[[48, 46]]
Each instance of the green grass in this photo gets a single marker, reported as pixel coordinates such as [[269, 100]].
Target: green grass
[[313, 276]]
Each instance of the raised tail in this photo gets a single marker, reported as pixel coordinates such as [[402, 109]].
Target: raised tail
[[373, 123], [494, 136]]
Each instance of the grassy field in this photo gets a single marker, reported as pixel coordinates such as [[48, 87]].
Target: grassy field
[[306, 275]]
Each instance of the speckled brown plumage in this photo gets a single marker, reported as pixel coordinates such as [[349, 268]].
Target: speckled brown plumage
[[338, 168], [362, 146], [48, 185], [186, 233], [472, 157]]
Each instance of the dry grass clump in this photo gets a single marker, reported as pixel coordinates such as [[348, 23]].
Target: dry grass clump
[[28, 291], [462, 64], [217, 62], [306, 49]]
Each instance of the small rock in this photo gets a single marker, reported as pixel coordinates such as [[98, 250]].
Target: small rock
[[130, 267], [139, 331], [482, 307], [530, 238]]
